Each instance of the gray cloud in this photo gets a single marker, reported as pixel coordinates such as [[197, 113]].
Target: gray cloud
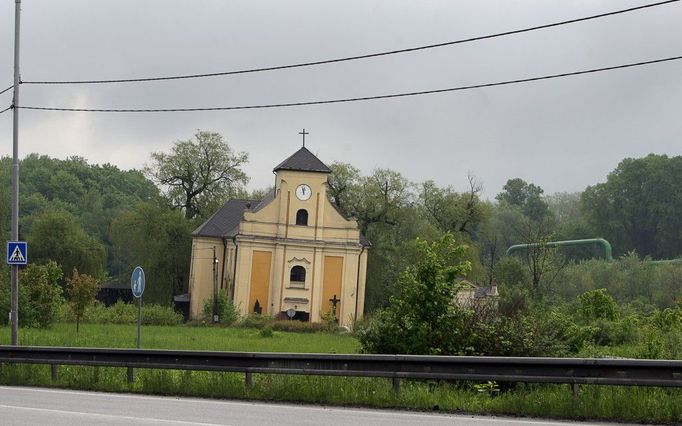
[[561, 134]]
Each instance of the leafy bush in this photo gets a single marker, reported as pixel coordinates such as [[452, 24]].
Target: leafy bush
[[82, 290], [118, 313], [628, 279], [41, 285], [266, 332], [514, 300], [422, 318], [154, 314], [596, 304], [668, 319], [259, 321], [297, 326], [126, 313], [40, 295], [255, 321], [511, 272], [227, 312]]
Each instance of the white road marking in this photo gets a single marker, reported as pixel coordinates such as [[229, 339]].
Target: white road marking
[[110, 416]]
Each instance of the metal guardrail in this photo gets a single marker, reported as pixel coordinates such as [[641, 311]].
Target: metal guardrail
[[629, 372]]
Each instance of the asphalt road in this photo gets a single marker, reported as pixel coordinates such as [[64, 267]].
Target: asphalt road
[[36, 406]]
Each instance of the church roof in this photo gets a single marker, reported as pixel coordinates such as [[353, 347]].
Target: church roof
[[225, 222], [303, 160]]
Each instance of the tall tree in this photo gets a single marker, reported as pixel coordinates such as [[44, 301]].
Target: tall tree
[[451, 210], [158, 239], [199, 174], [524, 217], [528, 197], [343, 186], [57, 235], [380, 198], [639, 207]]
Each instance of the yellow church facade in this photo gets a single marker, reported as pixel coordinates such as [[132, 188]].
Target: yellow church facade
[[289, 255]]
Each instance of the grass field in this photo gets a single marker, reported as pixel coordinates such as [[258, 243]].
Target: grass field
[[183, 337], [595, 402]]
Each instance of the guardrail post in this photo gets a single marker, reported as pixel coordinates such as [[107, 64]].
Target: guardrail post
[[248, 380], [131, 378], [396, 385], [576, 391], [54, 370]]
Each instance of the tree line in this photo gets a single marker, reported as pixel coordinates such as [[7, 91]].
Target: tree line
[[103, 221]]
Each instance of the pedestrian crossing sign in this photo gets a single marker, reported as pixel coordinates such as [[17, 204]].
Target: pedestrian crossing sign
[[16, 253]]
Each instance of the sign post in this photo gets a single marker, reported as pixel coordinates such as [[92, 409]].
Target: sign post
[[137, 286]]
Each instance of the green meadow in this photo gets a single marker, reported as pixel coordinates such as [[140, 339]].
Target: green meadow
[[183, 337]]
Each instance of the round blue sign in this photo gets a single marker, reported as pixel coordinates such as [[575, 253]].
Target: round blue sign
[[137, 282]]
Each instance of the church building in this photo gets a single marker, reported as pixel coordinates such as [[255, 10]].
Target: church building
[[289, 255]]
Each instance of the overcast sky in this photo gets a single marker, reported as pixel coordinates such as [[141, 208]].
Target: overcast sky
[[561, 134]]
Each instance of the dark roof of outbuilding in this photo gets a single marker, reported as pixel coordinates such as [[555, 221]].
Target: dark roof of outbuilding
[[118, 283], [303, 160], [225, 222]]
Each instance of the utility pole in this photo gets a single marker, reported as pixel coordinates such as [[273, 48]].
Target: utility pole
[[216, 317], [14, 269]]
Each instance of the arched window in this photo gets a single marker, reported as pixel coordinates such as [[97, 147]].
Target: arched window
[[302, 217], [297, 276]]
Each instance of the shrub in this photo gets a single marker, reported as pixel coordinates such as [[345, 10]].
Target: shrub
[[154, 314], [596, 304], [668, 319], [266, 331], [255, 321], [297, 326], [118, 313], [329, 320], [422, 318], [82, 291], [40, 295], [126, 313], [227, 312], [510, 271], [514, 300]]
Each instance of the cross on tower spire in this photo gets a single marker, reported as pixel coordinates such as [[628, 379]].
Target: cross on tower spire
[[303, 133]]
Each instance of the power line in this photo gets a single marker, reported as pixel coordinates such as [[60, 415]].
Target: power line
[[6, 109], [10, 87], [353, 58], [364, 98]]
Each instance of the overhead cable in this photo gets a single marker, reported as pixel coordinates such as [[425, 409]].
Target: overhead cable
[[364, 98], [353, 58], [7, 89], [6, 109]]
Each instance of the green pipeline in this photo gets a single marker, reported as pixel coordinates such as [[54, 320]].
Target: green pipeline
[[590, 241]]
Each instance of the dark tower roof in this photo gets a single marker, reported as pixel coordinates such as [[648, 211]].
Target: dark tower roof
[[305, 161]]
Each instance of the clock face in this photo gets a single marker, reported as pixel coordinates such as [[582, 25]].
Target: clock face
[[303, 192]]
